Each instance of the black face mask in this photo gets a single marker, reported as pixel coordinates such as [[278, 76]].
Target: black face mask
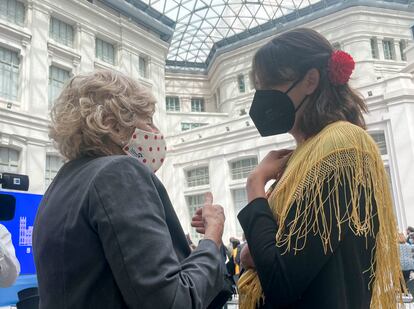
[[273, 112]]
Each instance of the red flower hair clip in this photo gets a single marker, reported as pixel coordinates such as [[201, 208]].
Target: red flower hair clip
[[340, 67]]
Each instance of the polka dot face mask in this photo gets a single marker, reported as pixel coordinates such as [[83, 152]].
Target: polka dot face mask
[[148, 147]]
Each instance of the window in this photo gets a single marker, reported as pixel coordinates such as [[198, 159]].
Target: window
[[105, 51], [336, 46], [57, 79], [197, 105], [198, 177], [193, 203], [379, 138], [143, 67], [403, 46], [242, 85], [172, 104], [389, 52], [189, 126], [61, 32], [242, 168], [9, 160], [53, 164], [374, 48], [240, 200], [12, 11], [9, 74]]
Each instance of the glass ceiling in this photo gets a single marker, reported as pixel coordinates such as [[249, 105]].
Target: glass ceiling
[[202, 23]]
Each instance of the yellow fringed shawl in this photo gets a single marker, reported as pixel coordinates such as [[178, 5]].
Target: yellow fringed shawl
[[345, 154]]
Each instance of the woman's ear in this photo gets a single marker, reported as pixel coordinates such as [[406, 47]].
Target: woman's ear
[[311, 81], [120, 136]]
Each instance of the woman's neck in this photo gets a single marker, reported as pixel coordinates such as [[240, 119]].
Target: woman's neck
[[298, 136]]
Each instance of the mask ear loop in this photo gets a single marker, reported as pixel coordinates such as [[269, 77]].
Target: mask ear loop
[[291, 87], [301, 103]]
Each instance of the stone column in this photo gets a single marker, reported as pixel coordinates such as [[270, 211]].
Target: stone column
[[87, 48], [360, 49], [39, 70], [35, 157]]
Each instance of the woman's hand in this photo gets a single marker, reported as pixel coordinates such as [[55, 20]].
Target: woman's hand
[[246, 259], [209, 220], [271, 167]]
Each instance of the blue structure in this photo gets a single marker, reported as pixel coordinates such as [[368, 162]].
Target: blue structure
[[21, 229], [8, 296]]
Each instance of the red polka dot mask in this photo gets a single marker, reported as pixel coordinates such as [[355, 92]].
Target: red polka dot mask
[[148, 147]]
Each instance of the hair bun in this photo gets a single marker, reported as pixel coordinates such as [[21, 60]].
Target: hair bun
[[340, 67]]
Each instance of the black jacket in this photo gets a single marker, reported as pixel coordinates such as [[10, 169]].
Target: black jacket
[[106, 236], [310, 279]]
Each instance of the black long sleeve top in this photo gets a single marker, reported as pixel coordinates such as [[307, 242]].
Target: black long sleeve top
[[311, 278]]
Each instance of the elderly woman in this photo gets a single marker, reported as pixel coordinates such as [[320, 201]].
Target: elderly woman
[[106, 234]]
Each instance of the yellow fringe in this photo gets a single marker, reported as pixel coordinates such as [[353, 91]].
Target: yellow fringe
[[347, 155]]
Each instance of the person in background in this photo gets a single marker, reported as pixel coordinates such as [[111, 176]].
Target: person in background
[[229, 247], [238, 255], [106, 234], [323, 236], [9, 265], [234, 254], [410, 233], [406, 256]]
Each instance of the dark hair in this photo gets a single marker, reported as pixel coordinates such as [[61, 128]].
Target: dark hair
[[288, 57]]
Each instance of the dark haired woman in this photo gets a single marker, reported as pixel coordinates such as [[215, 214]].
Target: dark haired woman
[[324, 236]]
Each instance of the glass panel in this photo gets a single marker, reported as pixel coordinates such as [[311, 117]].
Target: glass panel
[[98, 48], [57, 80], [142, 67], [12, 11], [9, 160], [242, 86], [197, 105], [189, 126], [53, 164], [374, 48], [193, 203], [105, 51], [172, 104], [403, 45], [242, 168], [379, 138], [200, 24], [9, 74], [111, 54], [19, 13], [388, 46], [198, 177], [61, 32], [185, 126]]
